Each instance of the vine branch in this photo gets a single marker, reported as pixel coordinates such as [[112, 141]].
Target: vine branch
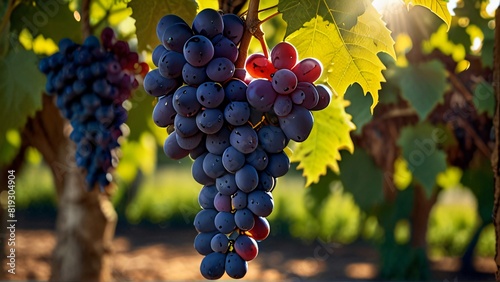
[[6, 18], [252, 25], [85, 20]]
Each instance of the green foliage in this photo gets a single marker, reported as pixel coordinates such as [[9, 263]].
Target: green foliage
[[10, 142], [359, 108], [451, 228], [484, 98], [297, 13], [420, 148], [423, 96], [438, 7], [21, 86], [148, 15], [48, 18], [353, 47], [362, 178], [480, 181]]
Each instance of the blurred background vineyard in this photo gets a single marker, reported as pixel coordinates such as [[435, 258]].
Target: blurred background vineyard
[[349, 208]]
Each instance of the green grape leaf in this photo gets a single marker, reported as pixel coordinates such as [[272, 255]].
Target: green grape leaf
[[351, 56], [420, 148], [362, 178], [438, 7], [484, 98], [297, 13], [10, 142], [481, 182], [21, 86], [330, 134], [359, 107], [52, 19], [423, 85], [140, 113], [148, 15]]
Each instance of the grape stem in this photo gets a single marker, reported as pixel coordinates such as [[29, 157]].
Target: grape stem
[[269, 17], [252, 25], [85, 13], [6, 17]]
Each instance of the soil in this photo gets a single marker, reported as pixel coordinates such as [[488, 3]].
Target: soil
[[155, 253]]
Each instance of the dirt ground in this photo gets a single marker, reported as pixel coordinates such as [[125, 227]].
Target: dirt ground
[[160, 254]]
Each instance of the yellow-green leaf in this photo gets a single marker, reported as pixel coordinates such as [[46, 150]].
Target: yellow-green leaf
[[329, 135], [348, 55], [438, 7]]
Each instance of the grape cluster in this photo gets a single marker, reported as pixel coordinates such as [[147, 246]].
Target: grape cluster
[[235, 131], [91, 82]]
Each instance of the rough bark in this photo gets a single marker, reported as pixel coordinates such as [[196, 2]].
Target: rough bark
[[86, 220], [496, 151]]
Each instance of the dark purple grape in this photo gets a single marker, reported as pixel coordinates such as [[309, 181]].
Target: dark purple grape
[[225, 48], [198, 51], [158, 53], [244, 139], [237, 113], [185, 126], [278, 165], [222, 202], [156, 85], [206, 196], [212, 165], [218, 142], [219, 243], [213, 266], [210, 121], [224, 222], [175, 36], [272, 139], [235, 90], [311, 95], [325, 96], [204, 220], [171, 64], [166, 22], [239, 200], [284, 81], [258, 159], [220, 69], [199, 174], [233, 27], [232, 159], [236, 267], [191, 142], [185, 102], [208, 23], [194, 76], [172, 148], [164, 112], [298, 124], [202, 242], [261, 95], [247, 178], [244, 218], [260, 203], [210, 94], [283, 105], [226, 184]]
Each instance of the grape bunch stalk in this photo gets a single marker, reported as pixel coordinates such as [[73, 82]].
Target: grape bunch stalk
[[91, 82], [234, 128]]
